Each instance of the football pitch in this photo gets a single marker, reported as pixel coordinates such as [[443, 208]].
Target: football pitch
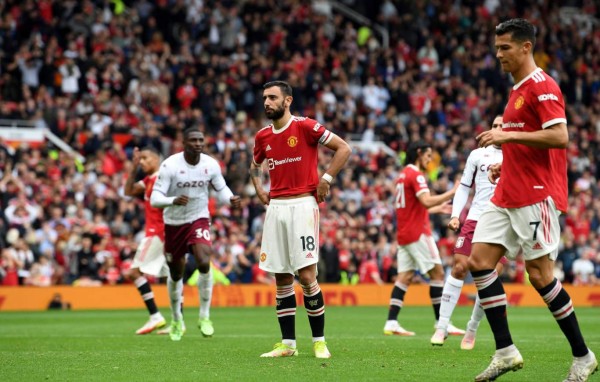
[[102, 346]]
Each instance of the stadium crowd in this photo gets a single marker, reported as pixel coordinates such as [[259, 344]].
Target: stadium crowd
[[107, 76]]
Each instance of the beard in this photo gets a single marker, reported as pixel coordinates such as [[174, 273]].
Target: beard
[[275, 114]]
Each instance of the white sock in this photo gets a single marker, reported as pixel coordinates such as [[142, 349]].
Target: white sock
[[450, 296], [315, 339], [156, 316], [205, 288], [476, 316], [290, 343], [175, 289]]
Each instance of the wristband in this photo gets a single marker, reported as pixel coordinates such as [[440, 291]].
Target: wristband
[[328, 178]]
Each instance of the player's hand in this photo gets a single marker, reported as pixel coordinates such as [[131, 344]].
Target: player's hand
[[236, 201], [494, 173], [135, 159], [322, 190], [181, 200], [492, 137], [454, 224], [264, 197]]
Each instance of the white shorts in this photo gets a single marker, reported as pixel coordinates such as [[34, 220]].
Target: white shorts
[[290, 235], [533, 228], [150, 257], [421, 255]]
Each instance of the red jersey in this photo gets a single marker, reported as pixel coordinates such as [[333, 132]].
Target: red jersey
[[412, 216], [530, 175], [292, 154], [154, 216], [366, 270]]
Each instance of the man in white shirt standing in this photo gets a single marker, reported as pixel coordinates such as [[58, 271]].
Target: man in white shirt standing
[[474, 174], [182, 189]]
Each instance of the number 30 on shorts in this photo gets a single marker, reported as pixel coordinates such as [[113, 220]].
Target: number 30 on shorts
[[308, 243], [203, 233]]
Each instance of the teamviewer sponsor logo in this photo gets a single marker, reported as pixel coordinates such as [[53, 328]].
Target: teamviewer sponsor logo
[[274, 162], [547, 97]]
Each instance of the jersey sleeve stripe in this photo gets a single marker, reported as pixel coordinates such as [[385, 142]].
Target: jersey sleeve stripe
[[554, 122], [422, 191], [326, 137]]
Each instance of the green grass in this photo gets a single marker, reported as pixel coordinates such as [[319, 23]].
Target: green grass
[[102, 346]]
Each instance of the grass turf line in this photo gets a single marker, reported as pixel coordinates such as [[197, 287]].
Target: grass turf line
[[102, 346]]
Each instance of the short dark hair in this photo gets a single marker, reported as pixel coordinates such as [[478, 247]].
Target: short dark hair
[[190, 130], [412, 153], [521, 30], [286, 89], [152, 149]]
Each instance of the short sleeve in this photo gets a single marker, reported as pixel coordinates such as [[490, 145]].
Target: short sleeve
[[549, 103], [316, 133]]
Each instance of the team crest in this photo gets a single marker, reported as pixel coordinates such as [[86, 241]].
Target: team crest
[[292, 141], [459, 242], [263, 257], [519, 102]]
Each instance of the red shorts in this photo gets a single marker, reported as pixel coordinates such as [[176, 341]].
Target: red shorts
[[465, 238], [178, 238]]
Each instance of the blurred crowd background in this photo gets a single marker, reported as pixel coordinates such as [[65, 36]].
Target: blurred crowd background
[[107, 76]]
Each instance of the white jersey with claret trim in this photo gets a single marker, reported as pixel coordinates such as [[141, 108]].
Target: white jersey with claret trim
[[176, 177], [476, 174]]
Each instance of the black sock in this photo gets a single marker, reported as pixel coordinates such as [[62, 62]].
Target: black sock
[[286, 311], [493, 300], [315, 308], [561, 307], [435, 293], [145, 290], [396, 300]]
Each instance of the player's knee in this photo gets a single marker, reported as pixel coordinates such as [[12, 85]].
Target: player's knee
[[459, 271], [306, 279], [473, 264]]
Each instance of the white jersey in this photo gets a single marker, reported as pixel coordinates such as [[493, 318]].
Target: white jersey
[[476, 173], [176, 177]]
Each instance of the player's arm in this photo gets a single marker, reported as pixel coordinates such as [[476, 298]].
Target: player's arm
[[555, 136], [159, 197], [342, 153], [256, 175], [131, 187], [462, 192], [429, 200], [224, 193]]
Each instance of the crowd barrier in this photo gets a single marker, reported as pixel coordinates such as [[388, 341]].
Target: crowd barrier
[[127, 296]]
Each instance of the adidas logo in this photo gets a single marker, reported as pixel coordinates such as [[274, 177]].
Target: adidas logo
[[268, 148], [310, 256], [537, 245]]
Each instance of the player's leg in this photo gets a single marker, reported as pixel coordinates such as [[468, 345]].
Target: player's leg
[[468, 341], [273, 259], [406, 270], [541, 276], [149, 253], [450, 296], [156, 320], [175, 252], [454, 284], [202, 253], [539, 230], [315, 309], [494, 236]]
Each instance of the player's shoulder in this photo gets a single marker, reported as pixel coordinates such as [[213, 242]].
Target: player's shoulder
[[171, 161], [306, 122], [542, 84], [210, 161], [265, 131]]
